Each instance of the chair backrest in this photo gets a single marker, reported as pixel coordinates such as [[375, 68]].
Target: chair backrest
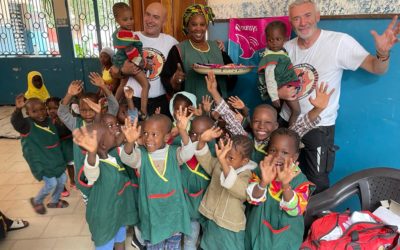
[[371, 185]]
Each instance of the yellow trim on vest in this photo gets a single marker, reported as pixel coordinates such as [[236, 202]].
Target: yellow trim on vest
[[47, 129], [260, 148], [165, 167], [117, 166], [195, 171]]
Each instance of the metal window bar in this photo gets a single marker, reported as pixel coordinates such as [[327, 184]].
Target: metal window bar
[[92, 25], [27, 29]]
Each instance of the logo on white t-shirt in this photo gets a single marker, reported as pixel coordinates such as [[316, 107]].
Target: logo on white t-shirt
[[153, 63], [308, 77]]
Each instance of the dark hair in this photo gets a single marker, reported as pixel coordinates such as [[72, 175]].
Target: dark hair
[[180, 97], [276, 25], [54, 99], [289, 133], [161, 118], [118, 7], [92, 96], [268, 107], [243, 144]]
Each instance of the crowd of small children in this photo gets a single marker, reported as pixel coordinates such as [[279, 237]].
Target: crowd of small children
[[208, 174]]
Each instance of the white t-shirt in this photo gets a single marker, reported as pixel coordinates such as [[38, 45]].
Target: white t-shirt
[[155, 52], [324, 61]]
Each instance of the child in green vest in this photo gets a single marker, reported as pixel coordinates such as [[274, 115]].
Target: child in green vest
[[276, 70], [280, 193], [41, 149], [163, 211], [223, 201], [88, 108], [111, 205]]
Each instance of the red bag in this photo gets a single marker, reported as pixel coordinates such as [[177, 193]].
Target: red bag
[[358, 236]]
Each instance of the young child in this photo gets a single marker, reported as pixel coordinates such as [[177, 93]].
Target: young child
[[129, 47], [36, 87], [275, 69], [65, 134], [163, 211], [87, 116], [223, 201], [111, 205], [195, 182], [41, 149], [280, 194], [106, 55]]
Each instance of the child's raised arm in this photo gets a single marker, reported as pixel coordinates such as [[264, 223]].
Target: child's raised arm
[[221, 152], [132, 134], [19, 123], [63, 113], [74, 88], [182, 123]]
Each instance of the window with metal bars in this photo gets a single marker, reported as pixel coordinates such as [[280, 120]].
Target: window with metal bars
[[27, 29], [92, 25]]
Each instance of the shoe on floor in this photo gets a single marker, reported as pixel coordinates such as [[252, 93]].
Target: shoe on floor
[[65, 193]]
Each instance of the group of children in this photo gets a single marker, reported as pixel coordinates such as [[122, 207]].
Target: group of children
[[209, 169]]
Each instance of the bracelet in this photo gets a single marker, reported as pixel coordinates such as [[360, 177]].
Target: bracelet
[[261, 188], [381, 57]]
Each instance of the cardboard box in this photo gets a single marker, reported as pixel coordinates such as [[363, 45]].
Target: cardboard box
[[389, 213]]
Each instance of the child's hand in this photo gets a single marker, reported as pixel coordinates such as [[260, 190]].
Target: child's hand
[[20, 101], [182, 118], [128, 91], [96, 79], [96, 107], [157, 111], [236, 102], [222, 150], [196, 111], [75, 87], [211, 133], [268, 170], [322, 96], [207, 102], [211, 82], [131, 130], [86, 140], [287, 173]]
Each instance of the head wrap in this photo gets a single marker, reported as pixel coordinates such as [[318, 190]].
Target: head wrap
[[32, 91], [109, 51], [196, 9]]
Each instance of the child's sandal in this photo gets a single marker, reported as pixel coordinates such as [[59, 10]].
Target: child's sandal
[[39, 208], [59, 204]]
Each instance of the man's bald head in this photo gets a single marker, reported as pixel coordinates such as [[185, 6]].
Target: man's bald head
[[154, 19]]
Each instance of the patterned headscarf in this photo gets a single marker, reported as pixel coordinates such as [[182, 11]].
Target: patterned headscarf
[[196, 9]]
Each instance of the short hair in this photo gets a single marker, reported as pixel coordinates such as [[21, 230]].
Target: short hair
[[279, 25], [268, 107], [180, 97], [32, 100], [161, 118], [92, 96], [289, 133], [54, 99], [300, 2], [203, 118], [118, 7], [243, 144]]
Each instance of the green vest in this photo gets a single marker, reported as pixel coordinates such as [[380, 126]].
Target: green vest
[[41, 149], [269, 227], [67, 148], [194, 82], [195, 182], [162, 207], [110, 205], [79, 159]]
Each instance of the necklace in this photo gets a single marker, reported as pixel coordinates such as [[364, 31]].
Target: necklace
[[208, 47]]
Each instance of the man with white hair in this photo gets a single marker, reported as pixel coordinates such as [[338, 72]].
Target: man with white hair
[[321, 56]]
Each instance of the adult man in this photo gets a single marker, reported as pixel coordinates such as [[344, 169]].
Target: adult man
[[321, 56], [156, 46]]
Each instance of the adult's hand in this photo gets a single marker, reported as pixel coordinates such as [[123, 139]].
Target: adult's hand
[[130, 69], [287, 93], [178, 77], [388, 39]]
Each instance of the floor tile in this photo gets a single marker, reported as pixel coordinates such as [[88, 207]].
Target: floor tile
[[5, 190], [74, 243], [34, 244], [64, 225], [36, 227], [23, 192], [7, 244]]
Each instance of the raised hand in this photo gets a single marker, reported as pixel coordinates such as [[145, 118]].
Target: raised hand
[[86, 139], [236, 102], [268, 170], [222, 150], [207, 102], [221, 45], [196, 111], [128, 92], [210, 134], [211, 82], [287, 173], [20, 101], [179, 75], [75, 87], [157, 111], [388, 39], [96, 79], [131, 130], [322, 96], [96, 107], [182, 118]]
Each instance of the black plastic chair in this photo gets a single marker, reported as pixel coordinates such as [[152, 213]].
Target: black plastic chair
[[371, 185]]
